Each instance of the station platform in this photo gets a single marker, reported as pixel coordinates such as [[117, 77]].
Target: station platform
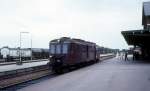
[[109, 75], [27, 61], [14, 66]]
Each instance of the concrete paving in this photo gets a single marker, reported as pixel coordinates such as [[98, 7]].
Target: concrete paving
[[109, 75], [10, 67]]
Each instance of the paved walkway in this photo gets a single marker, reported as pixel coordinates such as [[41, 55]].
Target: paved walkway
[[10, 67], [109, 75]]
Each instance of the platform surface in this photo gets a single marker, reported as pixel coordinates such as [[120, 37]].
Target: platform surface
[[10, 67], [109, 75]]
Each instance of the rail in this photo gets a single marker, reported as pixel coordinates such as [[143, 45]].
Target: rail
[[19, 72]]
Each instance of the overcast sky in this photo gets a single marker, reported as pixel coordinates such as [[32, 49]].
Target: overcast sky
[[99, 21]]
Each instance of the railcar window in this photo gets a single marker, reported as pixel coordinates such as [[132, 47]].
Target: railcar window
[[65, 48], [52, 49], [58, 49]]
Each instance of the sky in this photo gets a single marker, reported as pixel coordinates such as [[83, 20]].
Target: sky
[[99, 21]]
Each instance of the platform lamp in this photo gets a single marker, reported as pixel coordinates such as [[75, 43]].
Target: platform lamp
[[20, 60], [31, 46]]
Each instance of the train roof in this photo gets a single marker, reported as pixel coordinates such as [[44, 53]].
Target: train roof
[[39, 50], [72, 40]]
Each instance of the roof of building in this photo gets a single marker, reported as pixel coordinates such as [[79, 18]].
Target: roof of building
[[140, 37], [137, 37], [33, 49]]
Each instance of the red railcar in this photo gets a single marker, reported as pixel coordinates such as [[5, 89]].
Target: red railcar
[[66, 52]]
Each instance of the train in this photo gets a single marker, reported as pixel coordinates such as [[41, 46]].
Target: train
[[105, 50], [13, 54], [67, 52]]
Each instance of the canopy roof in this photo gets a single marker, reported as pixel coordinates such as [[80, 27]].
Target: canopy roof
[[137, 37]]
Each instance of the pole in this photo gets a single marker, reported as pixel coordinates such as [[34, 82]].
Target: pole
[[20, 49], [31, 47], [20, 55]]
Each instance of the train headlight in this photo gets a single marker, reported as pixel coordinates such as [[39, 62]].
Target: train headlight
[[50, 56], [58, 61]]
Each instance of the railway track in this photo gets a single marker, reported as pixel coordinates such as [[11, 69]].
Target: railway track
[[28, 74], [10, 78], [17, 80]]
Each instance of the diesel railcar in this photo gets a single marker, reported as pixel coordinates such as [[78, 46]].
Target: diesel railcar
[[66, 52]]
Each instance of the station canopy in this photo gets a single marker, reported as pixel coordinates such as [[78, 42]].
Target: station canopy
[[137, 37], [140, 37]]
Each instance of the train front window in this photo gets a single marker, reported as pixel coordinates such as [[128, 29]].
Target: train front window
[[65, 48], [52, 49], [58, 49]]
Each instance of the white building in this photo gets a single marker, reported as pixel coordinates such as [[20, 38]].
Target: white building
[[15, 52]]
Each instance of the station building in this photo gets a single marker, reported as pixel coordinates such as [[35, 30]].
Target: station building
[[140, 39]]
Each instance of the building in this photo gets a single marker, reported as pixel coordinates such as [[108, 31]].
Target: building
[[13, 54], [140, 38], [146, 16]]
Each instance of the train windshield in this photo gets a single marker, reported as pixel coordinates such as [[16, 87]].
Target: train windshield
[[58, 49], [52, 49], [65, 48]]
